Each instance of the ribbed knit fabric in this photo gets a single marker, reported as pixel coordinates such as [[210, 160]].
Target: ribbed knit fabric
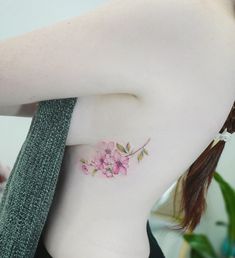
[[31, 185]]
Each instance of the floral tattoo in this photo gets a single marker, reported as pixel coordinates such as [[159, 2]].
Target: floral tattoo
[[112, 160]]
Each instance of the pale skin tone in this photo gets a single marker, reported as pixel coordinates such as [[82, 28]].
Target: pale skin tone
[[159, 70]]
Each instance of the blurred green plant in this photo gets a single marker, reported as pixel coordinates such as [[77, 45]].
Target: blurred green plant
[[200, 244]]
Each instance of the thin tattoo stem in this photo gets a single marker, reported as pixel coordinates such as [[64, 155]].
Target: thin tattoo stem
[[138, 149]]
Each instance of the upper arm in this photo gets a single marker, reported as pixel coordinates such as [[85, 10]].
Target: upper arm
[[121, 47], [86, 55]]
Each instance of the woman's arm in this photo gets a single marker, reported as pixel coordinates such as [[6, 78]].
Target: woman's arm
[[100, 52], [25, 110]]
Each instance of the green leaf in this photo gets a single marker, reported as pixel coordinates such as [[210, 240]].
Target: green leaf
[[195, 254], [128, 146], [140, 156], [121, 148], [83, 160], [229, 199], [145, 151], [201, 244]]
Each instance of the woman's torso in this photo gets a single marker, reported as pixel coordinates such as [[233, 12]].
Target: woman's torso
[[185, 127], [180, 114]]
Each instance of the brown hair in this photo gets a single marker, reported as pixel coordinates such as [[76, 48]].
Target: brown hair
[[195, 182]]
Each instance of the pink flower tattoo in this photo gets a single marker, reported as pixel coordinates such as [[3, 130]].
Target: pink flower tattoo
[[112, 159]]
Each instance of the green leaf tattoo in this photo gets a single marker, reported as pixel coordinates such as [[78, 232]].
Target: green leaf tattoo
[[83, 160], [94, 171], [128, 146], [145, 151], [121, 148], [140, 156]]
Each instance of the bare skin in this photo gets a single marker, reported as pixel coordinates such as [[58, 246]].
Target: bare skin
[[158, 70]]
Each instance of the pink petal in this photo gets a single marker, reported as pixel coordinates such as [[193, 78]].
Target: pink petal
[[115, 169], [123, 170], [85, 169], [124, 159], [116, 155]]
